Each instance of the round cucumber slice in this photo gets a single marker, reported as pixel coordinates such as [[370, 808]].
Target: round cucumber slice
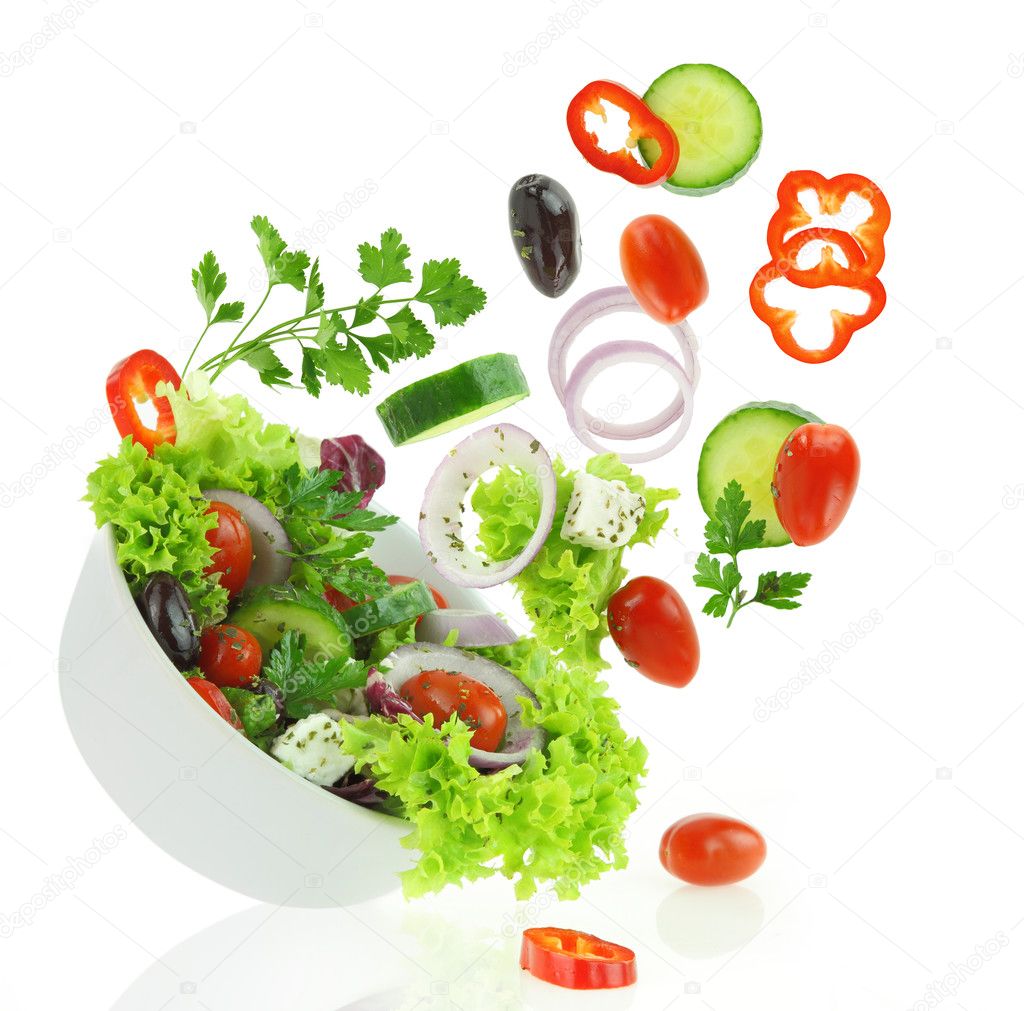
[[403, 603], [449, 400], [271, 611], [717, 121], [743, 447]]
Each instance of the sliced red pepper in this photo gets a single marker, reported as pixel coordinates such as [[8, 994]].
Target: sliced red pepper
[[575, 960], [828, 270], [134, 379], [844, 325], [642, 124], [792, 216]]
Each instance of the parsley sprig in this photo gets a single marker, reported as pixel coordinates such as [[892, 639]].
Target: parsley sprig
[[729, 533], [339, 345], [309, 685]]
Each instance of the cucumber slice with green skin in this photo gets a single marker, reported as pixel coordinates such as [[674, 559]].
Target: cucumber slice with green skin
[[743, 447], [405, 602], [449, 400], [717, 121], [273, 610]]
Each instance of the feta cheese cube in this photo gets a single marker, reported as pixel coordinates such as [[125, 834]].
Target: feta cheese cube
[[312, 748], [601, 514]]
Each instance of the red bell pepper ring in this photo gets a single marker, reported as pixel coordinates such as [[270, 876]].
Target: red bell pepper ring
[[792, 216], [576, 961], [135, 379], [642, 124], [828, 270], [844, 324]]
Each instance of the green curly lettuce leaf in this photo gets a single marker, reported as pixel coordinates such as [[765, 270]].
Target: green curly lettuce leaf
[[557, 820], [565, 590], [159, 521]]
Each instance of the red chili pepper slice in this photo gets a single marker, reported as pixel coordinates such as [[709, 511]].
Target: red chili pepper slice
[[642, 124], [792, 216], [577, 961], [134, 379], [844, 325]]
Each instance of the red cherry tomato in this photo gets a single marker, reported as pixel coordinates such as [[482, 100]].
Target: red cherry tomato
[[711, 849], [338, 600], [215, 699], [233, 544], [402, 580], [654, 631], [816, 474], [134, 379], [662, 267], [229, 656], [442, 693]]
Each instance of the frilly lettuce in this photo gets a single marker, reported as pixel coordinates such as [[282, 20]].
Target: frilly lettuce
[[558, 819], [159, 521], [565, 590]]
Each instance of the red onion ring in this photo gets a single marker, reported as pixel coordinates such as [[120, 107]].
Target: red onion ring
[[592, 307], [623, 353]]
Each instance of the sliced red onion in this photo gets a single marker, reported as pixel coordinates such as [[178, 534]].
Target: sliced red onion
[[407, 662], [358, 789], [360, 464], [269, 566], [622, 353], [441, 513], [475, 628], [595, 306]]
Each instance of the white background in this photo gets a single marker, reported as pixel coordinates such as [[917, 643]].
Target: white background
[[889, 786]]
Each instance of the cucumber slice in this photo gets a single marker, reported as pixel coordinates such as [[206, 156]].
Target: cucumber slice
[[403, 603], [743, 447], [449, 400], [271, 611], [717, 121]]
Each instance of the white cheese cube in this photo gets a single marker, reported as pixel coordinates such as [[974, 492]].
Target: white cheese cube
[[312, 748], [601, 514]]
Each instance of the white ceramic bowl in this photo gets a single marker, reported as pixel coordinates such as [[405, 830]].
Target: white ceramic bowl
[[194, 785]]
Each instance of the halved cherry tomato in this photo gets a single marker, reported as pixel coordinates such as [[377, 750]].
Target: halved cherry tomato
[[662, 267], [134, 379], [442, 693], [576, 961], [233, 544], [402, 580], [816, 474], [215, 699], [229, 656], [654, 631], [712, 849]]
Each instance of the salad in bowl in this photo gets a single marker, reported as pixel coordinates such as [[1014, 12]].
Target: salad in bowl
[[264, 571]]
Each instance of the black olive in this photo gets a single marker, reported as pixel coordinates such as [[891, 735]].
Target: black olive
[[267, 687], [165, 610], [546, 233]]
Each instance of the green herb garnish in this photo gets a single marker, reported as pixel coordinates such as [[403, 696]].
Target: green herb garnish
[[729, 533]]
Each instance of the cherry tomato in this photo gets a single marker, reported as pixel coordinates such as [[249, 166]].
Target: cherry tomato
[[711, 849], [816, 474], [338, 600], [229, 656], [215, 699], [442, 693], [654, 631], [402, 580], [233, 544], [134, 379], [662, 267]]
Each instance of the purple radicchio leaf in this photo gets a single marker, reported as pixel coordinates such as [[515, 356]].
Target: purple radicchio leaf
[[358, 789], [361, 466], [383, 700]]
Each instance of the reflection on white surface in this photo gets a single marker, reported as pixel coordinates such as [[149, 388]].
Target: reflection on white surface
[[698, 922]]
